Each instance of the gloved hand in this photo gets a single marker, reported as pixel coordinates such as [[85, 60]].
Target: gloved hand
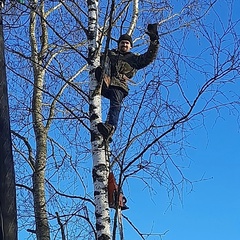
[[152, 31]]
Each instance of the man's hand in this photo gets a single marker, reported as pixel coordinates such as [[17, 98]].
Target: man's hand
[[152, 31]]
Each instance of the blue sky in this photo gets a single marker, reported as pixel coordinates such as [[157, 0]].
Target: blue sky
[[212, 209]]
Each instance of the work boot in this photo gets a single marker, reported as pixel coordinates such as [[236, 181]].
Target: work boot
[[106, 130]]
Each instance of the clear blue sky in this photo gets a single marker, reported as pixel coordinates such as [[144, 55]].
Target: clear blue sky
[[211, 211]]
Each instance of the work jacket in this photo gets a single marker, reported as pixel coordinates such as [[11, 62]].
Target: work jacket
[[121, 67]]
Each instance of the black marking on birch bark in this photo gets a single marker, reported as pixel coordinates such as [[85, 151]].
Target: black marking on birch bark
[[92, 71], [101, 168], [97, 177], [104, 237], [90, 98], [91, 54], [93, 117], [99, 226], [92, 107], [98, 215], [90, 2], [94, 136], [96, 193], [92, 10], [91, 34]]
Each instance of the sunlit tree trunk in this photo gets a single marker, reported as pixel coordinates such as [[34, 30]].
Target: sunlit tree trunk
[[100, 166], [40, 207]]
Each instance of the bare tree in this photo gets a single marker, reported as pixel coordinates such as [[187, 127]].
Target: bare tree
[[53, 49]]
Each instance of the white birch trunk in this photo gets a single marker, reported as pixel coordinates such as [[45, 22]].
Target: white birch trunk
[[100, 166], [134, 17], [40, 209]]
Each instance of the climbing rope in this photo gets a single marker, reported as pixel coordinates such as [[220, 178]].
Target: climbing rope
[[118, 209], [120, 224]]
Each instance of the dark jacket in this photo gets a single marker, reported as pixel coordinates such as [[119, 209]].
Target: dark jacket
[[123, 66]]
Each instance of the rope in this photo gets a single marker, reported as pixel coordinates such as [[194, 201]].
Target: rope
[[120, 224], [119, 212]]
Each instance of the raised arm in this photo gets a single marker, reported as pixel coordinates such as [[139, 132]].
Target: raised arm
[[145, 59]]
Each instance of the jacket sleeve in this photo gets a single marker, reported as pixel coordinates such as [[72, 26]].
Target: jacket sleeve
[[145, 59]]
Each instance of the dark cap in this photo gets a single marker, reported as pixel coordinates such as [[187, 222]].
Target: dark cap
[[125, 37]]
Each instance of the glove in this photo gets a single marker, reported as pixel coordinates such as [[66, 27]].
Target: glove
[[152, 31]]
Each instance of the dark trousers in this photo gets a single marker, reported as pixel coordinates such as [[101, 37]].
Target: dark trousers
[[115, 96]]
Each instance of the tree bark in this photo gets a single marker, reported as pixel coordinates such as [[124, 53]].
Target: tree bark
[[40, 206], [8, 212], [100, 165]]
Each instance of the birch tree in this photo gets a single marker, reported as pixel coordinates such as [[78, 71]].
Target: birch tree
[[100, 169], [62, 163]]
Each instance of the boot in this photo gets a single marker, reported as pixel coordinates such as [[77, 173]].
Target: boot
[[106, 130]]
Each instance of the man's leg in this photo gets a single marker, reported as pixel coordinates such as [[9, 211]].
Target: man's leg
[[116, 99], [115, 96]]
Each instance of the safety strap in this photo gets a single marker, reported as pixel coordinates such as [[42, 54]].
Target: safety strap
[[120, 224], [119, 211]]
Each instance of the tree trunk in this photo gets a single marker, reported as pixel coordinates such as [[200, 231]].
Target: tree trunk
[[100, 165], [42, 226], [40, 206], [8, 212]]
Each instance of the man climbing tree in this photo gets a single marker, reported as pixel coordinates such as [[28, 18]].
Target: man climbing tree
[[117, 69]]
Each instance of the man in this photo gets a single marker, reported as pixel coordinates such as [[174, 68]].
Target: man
[[117, 69]]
